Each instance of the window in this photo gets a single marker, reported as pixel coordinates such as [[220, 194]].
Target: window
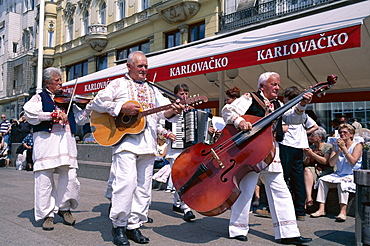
[[197, 31], [15, 47], [26, 4], [103, 12], [77, 70], [85, 23], [70, 30], [51, 39], [26, 40], [101, 62], [172, 39], [122, 9], [123, 53], [145, 4]]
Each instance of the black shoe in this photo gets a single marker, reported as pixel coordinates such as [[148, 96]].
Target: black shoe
[[240, 238], [136, 236], [177, 209], [150, 220], [119, 236], [295, 240], [188, 216]]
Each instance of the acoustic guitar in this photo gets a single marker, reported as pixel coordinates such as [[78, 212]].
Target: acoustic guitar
[[108, 130]]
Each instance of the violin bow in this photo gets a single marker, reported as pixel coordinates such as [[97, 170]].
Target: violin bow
[[73, 94]]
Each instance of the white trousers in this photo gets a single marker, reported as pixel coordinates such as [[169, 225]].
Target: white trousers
[[131, 183], [323, 189], [49, 198], [163, 173], [279, 200]]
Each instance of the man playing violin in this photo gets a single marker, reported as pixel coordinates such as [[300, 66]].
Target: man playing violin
[[280, 201], [133, 158], [54, 151]]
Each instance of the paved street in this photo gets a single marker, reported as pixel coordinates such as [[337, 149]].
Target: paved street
[[18, 227]]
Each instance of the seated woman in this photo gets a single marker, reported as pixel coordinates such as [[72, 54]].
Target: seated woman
[[347, 155], [316, 161], [161, 162]]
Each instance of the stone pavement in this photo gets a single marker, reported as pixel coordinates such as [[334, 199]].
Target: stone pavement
[[93, 227]]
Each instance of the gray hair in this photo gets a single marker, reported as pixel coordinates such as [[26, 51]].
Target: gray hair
[[49, 74], [130, 58], [321, 132], [264, 77]]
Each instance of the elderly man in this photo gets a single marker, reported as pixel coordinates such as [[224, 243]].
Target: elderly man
[[278, 195], [54, 151], [133, 158]]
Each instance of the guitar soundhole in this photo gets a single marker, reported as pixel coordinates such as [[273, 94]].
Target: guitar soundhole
[[126, 119]]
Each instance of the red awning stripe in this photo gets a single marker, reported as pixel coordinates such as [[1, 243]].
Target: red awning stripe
[[330, 41]]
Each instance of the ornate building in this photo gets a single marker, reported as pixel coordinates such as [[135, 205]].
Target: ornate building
[[85, 36], [17, 35]]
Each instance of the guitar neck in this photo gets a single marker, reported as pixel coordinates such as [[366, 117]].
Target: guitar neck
[[188, 101], [154, 110]]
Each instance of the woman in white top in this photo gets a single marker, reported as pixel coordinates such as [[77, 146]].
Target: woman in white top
[[347, 155]]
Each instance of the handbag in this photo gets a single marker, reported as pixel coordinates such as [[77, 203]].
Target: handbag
[[20, 149]]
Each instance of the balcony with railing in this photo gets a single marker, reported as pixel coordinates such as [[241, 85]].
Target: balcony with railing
[[266, 10], [97, 37]]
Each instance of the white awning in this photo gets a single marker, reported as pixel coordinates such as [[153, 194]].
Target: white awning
[[303, 51]]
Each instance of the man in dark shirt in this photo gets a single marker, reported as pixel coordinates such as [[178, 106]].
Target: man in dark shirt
[[24, 127]]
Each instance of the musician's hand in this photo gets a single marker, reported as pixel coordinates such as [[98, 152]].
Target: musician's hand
[[176, 108], [172, 137], [130, 108], [62, 117], [307, 97], [245, 126]]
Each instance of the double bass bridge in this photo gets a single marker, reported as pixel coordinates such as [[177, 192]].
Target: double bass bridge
[[217, 158]]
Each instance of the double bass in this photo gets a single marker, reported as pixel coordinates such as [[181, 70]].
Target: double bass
[[207, 176]]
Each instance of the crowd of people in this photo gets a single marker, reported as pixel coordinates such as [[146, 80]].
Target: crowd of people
[[304, 159]]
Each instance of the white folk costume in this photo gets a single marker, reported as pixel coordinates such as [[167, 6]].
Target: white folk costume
[[132, 167], [54, 151], [279, 198]]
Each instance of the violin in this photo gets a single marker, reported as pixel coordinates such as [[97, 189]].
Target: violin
[[63, 100], [207, 176]]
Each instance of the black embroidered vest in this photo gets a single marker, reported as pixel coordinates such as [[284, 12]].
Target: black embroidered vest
[[257, 110], [48, 105]]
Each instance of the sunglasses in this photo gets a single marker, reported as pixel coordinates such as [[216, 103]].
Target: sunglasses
[[344, 132]]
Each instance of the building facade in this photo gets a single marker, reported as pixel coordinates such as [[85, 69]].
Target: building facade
[[17, 44], [86, 36]]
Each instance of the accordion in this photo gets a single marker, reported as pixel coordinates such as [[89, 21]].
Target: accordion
[[192, 128]]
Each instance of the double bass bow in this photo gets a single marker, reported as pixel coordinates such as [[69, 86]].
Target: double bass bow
[[207, 176]]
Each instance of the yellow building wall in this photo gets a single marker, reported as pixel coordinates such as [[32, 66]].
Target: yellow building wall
[[134, 31]]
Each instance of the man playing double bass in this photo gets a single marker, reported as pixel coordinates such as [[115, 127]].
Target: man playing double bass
[[279, 198]]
